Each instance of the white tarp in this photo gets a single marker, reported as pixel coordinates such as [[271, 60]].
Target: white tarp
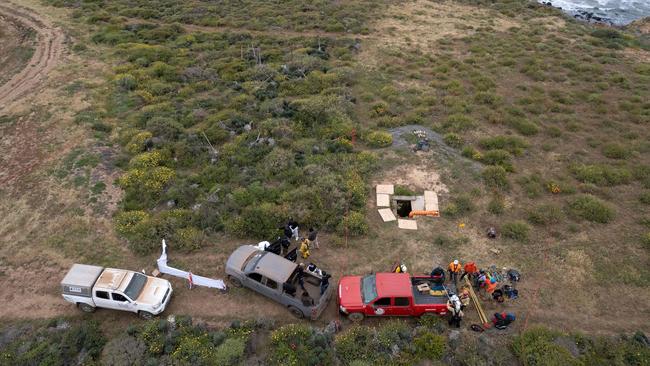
[[196, 280]]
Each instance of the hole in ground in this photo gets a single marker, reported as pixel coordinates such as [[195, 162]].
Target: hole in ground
[[403, 208]]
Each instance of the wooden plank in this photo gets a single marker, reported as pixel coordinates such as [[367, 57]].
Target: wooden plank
[[431, 201], [386, 214], [385, 188], [407, 224], [477, 304], [383, 200]]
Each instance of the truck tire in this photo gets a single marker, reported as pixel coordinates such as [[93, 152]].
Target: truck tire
[[235, 282], [145, 315], [296, 312], [86, 308], [356, 317]]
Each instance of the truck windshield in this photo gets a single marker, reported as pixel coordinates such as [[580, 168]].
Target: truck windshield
[[251, 261], [135, 286], [368, 288]]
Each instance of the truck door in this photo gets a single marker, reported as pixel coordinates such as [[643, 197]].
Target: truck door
[[401, 307], [254, 282], [122, 302], [381, 306], [103, 299]]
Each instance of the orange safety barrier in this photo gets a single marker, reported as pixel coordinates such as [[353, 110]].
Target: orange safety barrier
[[424, 213]]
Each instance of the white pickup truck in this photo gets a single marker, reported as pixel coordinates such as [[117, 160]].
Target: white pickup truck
[[91, 287]]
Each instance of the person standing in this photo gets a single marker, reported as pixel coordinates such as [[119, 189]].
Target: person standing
[[313, 237], [454, 270], [455, 311], [324, 283], [304, 248], [491, 286], [293, 225], [469, 270]]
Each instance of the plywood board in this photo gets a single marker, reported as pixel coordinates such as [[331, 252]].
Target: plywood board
[[386, 214], [431, 201], [418, 204], [383, 200], [407, 224], [385, 188]]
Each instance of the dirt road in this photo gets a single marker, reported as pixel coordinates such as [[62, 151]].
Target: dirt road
[[48, 52]]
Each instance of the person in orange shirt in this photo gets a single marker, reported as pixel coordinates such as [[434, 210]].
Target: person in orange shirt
[[491, 286], [454, 270], [469, 270]]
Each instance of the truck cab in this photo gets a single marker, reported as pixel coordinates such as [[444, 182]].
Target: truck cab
[[274, 276], [91, 287], [390, 294]]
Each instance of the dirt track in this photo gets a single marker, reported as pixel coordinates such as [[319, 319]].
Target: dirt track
[[49, 49]]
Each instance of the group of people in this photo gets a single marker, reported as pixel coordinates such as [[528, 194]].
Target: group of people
[[291, 231], [305, 298], [484, 281]]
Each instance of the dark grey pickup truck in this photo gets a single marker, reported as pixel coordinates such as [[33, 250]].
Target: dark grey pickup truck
[[274, 276]]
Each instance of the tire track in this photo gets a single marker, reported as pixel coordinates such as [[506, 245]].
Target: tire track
[[48, 52]]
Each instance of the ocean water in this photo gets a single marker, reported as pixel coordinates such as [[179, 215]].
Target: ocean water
[[618, 11]]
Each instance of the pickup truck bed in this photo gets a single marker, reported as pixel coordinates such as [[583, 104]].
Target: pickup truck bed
[[423, 298]]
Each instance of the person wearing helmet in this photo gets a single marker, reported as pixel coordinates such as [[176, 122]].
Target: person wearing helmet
[[454, 270], [454, 307]]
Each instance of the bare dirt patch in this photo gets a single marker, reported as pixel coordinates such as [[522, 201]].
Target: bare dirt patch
[[421, 24], [48, 52]]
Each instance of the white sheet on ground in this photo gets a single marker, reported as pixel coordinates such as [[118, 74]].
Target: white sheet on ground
[[196, 280]]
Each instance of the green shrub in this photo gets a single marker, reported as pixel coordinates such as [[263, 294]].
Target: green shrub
[[354, 224], [230, 352], [616, 151], [401, 190], [126, 81], [355, 344], [495, 177], [429, 345], [453, 140], [524, 126], [298, 344], [498, 157], [592, 209], [260, 221], [645, 198], [512, 144], [533, 185], [516, 230], [645, 240], [379, 139], [545, 214], [602, 175], [433, 322], [496, 205], [641, 173], [458, 123], [536, 347]]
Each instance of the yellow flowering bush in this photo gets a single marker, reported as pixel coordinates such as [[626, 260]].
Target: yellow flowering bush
[[146, 160], [136, 145], [126, 222]]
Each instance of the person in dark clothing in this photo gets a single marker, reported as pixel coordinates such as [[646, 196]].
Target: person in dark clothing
[[502, 320], [313, 237], [324, 283], [287, 231], [300, 276], [306, 299], [289, 289], [438, 275]]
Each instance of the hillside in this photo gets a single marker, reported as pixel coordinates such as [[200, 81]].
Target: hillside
[[209, 124]]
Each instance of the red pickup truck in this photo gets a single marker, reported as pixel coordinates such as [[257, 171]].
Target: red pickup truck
[[390, 294]]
